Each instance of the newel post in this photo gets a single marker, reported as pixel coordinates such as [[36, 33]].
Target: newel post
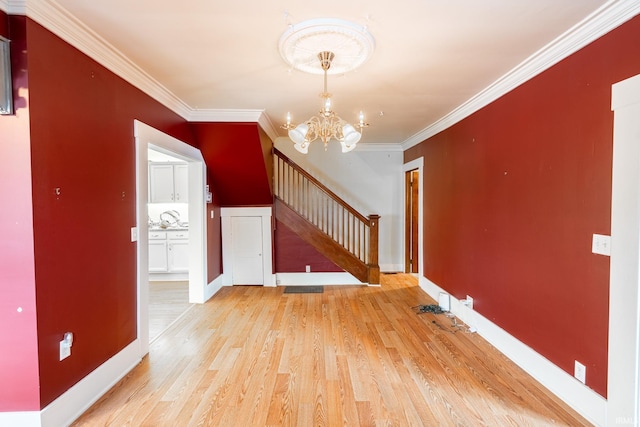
[[374, 268]]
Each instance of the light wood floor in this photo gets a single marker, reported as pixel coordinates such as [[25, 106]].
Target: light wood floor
[[352, 356], [168, 300]]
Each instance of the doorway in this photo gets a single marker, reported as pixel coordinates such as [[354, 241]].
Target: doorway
[[168, 215], [147, 137], [247, 233], [414, 245], [411, 202], [246, 250]]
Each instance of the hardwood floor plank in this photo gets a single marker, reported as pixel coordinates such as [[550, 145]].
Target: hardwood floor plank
[[352, 356]]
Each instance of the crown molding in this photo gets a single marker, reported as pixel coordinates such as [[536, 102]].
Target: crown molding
[[237, 116], [267, 125], [214, 115], [56, 19], [373, 146], [609, 16], [14, 7]]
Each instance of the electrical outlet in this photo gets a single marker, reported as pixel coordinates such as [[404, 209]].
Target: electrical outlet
[[444, 301], [308, 269], [65, 350], [468, 302], [580, 372]]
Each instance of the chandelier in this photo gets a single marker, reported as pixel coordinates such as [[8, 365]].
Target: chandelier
[[327, 124]]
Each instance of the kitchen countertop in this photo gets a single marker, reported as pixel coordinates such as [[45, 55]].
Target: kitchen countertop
[[177, 228]]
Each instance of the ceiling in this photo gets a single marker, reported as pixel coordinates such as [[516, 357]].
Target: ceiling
[[430, 56]]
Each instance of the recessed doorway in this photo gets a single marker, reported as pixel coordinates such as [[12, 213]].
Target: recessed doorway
[[413, 240], [148, 137], [412, 187]]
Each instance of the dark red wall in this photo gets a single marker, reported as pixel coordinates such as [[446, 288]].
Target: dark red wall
[[236, 162], [214, 236], [513, 195], [4, 25], [292, 254], [82, 142]]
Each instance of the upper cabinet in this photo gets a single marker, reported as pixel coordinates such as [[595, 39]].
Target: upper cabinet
[[168, 183]]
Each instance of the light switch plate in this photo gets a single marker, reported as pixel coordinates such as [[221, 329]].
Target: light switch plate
[[580, 372], [601, 244], [134, 234]]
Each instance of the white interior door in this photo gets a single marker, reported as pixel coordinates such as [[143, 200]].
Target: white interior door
[[246, 250]]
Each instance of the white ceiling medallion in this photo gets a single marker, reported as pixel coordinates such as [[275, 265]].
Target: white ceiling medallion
[[352, 45]]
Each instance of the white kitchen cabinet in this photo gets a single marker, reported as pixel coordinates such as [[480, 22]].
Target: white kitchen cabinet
[[178, 251], [169, 251], [168, 183], [158, 254]]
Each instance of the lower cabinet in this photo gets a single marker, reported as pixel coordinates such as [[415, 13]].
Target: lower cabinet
[[169, 251], [157, 254], [178, 251]]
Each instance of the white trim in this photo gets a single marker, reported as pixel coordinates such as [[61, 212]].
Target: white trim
[[214, 287], [236, 116], [581, 398], [77, 399], [611, 15], [371, 146], [415, 164], [320, 278], [214, 115], [62, 23], [268, 127], [267, 249], [146, 137], [391, 268], [623, 382], [88, 390], [22, 419], [15, 7]]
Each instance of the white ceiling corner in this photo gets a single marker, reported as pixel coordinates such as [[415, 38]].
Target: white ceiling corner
[[605, 19], [58, 20]]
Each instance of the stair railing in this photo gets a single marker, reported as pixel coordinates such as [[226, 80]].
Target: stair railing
[[327, 211]]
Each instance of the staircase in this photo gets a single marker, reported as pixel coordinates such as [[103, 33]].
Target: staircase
[[325, 221]]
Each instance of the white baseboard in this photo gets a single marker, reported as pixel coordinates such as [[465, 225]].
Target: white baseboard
[[75, 401], [581, 398], [391, 268], [168, 277], [22, 419], [213, 287], [334, 278]]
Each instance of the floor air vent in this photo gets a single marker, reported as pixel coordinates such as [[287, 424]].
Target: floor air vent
[[303, 289]]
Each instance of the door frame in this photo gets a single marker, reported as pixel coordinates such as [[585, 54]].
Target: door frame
[[623, 380], [411, 233], [265, 213], [413, 165], [148, 137]]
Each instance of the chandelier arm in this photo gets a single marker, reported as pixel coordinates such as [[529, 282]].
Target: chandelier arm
[[327, 124]]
